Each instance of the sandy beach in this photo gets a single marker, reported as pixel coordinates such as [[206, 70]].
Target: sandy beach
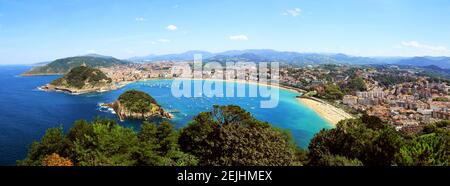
[[325, 110], [329, 112]]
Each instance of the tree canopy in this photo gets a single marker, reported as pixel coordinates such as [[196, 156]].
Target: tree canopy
[[376, 144], [105, 143], [78, 77], [137, 101], [230, 136]]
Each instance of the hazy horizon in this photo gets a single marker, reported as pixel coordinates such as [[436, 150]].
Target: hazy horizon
[[32, 32], [107, 55]]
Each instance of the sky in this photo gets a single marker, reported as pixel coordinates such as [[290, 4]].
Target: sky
[[44, 30]]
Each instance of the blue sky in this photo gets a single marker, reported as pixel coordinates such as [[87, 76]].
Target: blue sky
[[34, 31]]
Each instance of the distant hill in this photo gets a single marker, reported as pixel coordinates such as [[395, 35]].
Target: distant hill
[[261, 55], [62, 66], [435, 71], [269, 55], [81, 79], [189, 55], [40, 63], [441, 62]]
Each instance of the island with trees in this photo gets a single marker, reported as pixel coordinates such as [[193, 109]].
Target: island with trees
[[134, 104], [82, 79]]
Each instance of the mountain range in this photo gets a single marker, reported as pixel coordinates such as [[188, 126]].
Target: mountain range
[[61, 66], [268, 55]]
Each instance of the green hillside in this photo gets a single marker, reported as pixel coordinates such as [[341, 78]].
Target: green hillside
[[137, 101], [62, 66], [78, 77]]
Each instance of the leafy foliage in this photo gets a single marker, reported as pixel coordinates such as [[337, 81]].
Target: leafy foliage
[[332, 92], [330, 160], [56, 160], [390, 79], [427, 150], [105, 143], [375, 144], [137, 101], [230, 136], [78, 77], [356, 84], [52, 142]]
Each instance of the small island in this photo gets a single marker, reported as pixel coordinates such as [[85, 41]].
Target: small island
[[135, 104], [82, 79]]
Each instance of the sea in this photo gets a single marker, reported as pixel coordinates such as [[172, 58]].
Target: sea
[[27, 112]]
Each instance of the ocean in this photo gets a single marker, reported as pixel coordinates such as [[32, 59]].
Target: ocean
[[26, 112]]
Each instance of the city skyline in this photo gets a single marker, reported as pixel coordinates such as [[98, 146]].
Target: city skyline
[[43, 31]]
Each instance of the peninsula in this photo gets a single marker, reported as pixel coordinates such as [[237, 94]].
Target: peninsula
[[81, 80]]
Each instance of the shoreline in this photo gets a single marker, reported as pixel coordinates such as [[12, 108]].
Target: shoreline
[[328, 112], [51, 88]]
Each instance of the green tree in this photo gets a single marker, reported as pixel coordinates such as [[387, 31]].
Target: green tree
[[105, 143], [111, 144], [158, 146], [137, 101], [332, 92], [230, 136], [426, 150], [52, 142], [330, 160], [384, 148], [356, 84], [373, 122], [350, 139]]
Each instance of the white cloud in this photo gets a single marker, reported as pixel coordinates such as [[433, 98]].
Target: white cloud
[[415, 44], [293, 12], [172, 27], [163, 40], [239, 38], [140, 19]]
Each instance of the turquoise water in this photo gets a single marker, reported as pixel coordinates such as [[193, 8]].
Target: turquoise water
[[27, 112]]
